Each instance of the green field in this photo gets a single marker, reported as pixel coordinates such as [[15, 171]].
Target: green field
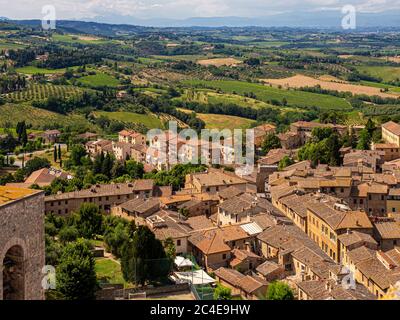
[[36, 70], [99, 80], [266, 94], [381, 85], [10, 45], [386, 73], [75, 39], [149, 120], [109, 271], [39, 118]]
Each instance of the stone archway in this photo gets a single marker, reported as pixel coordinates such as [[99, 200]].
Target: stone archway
[[14, 274], [13, 270]]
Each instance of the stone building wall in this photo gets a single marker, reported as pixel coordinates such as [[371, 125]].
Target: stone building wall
[[22, 225]]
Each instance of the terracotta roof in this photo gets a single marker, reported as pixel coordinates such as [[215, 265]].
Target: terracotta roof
[[392, 127], [45, 176], [214, 240], [339, 219], [140, 205], [216, 178], [231, 276], [319, 290], [387, 230], [100, 190], [297, 203], [250, 284], [268, 267], [170, 226], [355, 237], [360, 254], [230, 192]]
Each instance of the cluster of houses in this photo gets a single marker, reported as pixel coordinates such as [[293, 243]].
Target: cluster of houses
[[328, 232]]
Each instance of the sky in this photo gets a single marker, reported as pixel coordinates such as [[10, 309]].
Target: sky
[[182, 9]]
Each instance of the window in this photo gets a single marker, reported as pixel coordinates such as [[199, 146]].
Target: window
[[178, 242], [224, 256]]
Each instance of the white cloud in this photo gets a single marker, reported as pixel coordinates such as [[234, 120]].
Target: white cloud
[[75, 9]]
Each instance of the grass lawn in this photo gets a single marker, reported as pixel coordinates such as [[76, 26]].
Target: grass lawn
[[109, 271], [266, 93], [149, 120], [99, 79]]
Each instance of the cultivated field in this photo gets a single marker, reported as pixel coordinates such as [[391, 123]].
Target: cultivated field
[[99, 80], [221, 121], [38, 118], [219, 62], [299, 81], [386, 73], [43, 91], [266, 94], [149, 120]]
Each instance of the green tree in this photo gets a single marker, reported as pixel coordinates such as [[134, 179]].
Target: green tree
[[55, 154], [270, 142], [78, 152], [68, 234], [59, 153], [279, 290], [285, 162], [222, 293], [364, 140], [144, 258], [35, 164], [88, 220], [134, 169], [75, 273], [170, 248]]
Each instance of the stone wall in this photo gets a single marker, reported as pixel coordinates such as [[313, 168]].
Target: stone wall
[[22, 225]]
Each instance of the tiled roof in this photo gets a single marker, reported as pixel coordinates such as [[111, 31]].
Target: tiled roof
[[231, 276], [215, 178], [140, 205], [268, 267], [388, 230], [250, 284], [354, 237], [392, 127], [100, 190], [214, 240]]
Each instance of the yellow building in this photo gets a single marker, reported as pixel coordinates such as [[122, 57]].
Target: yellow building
[[327, 220], [391, 133]]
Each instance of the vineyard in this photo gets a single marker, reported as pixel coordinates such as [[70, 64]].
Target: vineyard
[[41, 92], [165, 118]]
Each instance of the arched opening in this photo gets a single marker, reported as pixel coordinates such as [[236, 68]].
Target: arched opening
[[13, 274]]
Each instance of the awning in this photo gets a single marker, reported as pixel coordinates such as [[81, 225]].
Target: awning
[[198, 277], [182, 262]]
